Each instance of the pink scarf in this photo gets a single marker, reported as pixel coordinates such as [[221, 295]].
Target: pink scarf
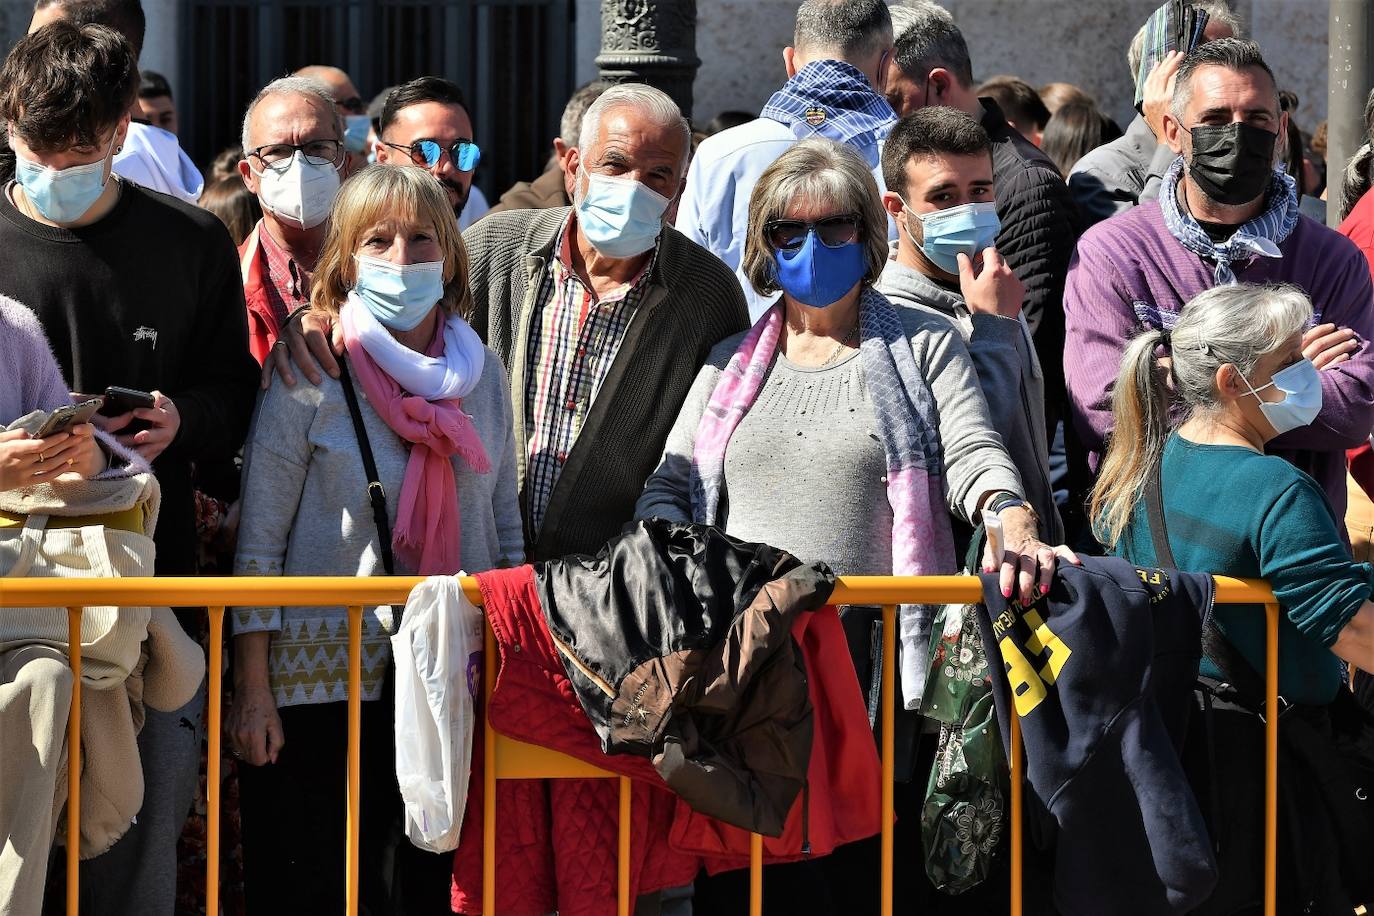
[[427, 533]]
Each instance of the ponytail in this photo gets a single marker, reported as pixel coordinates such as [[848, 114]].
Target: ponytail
[[1140, 405]]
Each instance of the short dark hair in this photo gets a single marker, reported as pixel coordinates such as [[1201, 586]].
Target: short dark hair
[[1018, 100], [65, 85], [124, 16], [1231, 53], [852, 28], [928, 133], [153, 85], [377, 106], [417, 92], [928, 38]]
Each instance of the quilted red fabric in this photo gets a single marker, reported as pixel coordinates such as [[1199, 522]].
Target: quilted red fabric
[[556, 839]]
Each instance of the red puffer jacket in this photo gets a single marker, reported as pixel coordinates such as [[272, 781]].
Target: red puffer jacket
[[556, 839]]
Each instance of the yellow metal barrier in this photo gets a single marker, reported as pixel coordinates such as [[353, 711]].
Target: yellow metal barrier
[[508, 759]]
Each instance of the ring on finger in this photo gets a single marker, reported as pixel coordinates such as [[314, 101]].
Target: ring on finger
[[40, 457]]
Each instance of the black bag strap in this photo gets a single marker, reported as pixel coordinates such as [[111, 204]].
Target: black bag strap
[[376, 494], [1233, 666]]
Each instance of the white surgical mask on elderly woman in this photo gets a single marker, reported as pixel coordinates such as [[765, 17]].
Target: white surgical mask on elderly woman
[[621, 217], [399, 295], [1302, 397]]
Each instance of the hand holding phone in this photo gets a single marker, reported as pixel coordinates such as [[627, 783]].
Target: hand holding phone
[[120, 401], [65, 417]]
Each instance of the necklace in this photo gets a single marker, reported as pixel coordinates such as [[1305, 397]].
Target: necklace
[[839, 347]]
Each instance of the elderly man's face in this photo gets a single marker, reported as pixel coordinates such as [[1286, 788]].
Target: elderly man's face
[[286, 118], [631, 146], [445, 125]]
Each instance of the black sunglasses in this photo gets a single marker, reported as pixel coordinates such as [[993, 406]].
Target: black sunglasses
[[833, 231], [354, 105]]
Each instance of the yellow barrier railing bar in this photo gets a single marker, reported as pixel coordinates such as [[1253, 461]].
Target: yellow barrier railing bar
[[74, 763], [889, 754], [214, 697], [509, 759], [355, 743], [1271, 755]]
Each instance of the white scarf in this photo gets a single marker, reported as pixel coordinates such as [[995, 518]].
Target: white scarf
[[434, 378]]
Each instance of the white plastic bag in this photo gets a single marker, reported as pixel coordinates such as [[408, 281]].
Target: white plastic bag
[[438, 655]]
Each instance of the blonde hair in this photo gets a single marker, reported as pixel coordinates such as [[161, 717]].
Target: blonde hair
[[817, 172], [1225, 325], [381, 193]]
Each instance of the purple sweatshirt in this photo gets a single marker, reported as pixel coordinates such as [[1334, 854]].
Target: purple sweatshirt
[[1129, 274], [29, 376]]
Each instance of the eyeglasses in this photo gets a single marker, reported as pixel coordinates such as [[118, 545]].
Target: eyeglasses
[[354, 105], [317, 152], [464, 154], [833, 231]]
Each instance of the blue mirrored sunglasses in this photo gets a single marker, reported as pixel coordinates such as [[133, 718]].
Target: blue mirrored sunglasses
[[463, 153]]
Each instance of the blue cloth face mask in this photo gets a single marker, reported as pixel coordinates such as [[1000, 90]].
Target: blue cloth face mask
[[355, 132], [817, 275], [399, 295], [1302, 397], [62, 195], [968, 228], [620, 216]]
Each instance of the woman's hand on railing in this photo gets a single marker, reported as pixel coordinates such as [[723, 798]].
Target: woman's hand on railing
[[1027, 563], [255, 732]]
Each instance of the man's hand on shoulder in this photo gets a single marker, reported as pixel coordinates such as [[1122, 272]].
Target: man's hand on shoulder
[[311, 341]]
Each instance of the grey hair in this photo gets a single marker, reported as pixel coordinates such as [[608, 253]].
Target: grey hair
[[1225, 325], [1231, 53], [1358, 170], [1216, 10], [582, 99], [853, 29], [647, 100], [928, 38], [818, 172], [305, 86]]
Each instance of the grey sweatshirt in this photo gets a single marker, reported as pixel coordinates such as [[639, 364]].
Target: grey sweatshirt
[[306, 513], [804, 470], [1008, 374]]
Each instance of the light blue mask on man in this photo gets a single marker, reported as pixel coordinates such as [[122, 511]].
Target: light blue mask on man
[[399, 295], [355, 132], [621, 217], [968, 228], [62, 195]]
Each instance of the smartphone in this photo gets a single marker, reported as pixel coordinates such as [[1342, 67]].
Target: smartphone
[[67, 416], [119, 401]]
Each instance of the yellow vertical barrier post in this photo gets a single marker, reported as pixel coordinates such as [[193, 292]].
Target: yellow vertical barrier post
[[1271, 757], [214, 667], [1014, 766], [889, 723], [355, 726], [623, 902], [755, 874], [74, 764], [488, 776]]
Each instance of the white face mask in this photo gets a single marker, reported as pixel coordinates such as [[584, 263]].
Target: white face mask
[[302, 192], [1302, 397]]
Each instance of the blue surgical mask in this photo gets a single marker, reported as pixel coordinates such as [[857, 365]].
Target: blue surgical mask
[[355, 132], [968, 228], [1302, 397], [817, 275], [399, 295], [62, 195], [620, 216]]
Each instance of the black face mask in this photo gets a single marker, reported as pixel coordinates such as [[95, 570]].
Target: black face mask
[[1232, 164]]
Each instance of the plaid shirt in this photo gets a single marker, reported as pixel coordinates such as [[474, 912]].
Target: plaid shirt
[[574, 338], [288, 285], [833, 99]]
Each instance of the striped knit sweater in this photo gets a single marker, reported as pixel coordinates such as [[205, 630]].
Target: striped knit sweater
[[693, 303]]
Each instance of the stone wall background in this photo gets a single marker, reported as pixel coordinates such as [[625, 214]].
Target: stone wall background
[[740, 43]]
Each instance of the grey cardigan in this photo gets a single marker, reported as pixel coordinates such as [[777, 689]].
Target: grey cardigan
[[306, 513], [1009, 374], [975, 461], [693, 303]]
